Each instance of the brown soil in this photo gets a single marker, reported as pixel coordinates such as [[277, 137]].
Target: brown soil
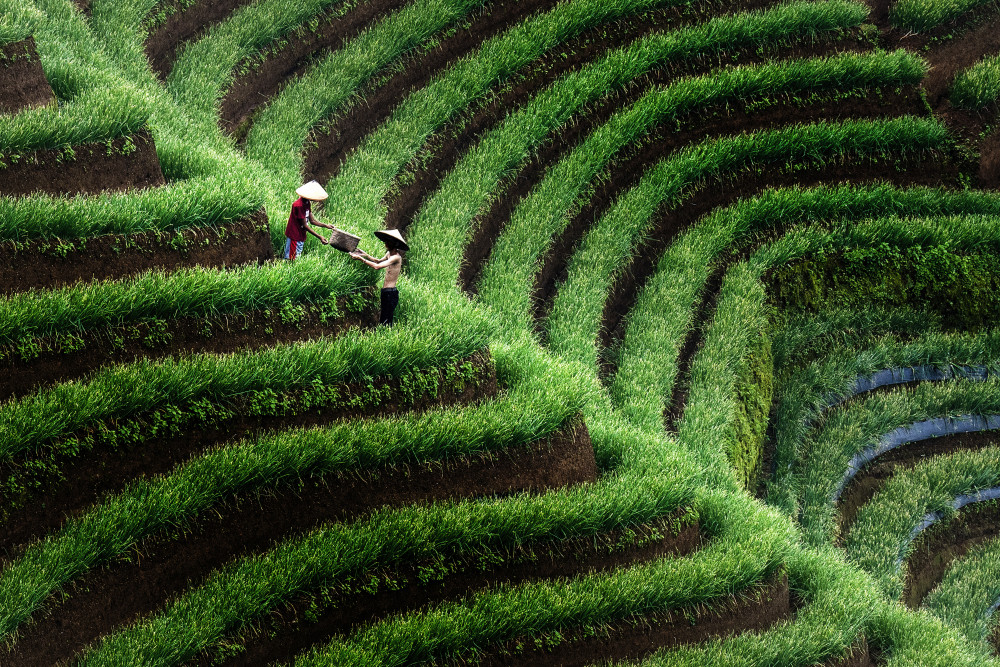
[[258, 84], [488, 227], [859, 655], [290, 633], [989, 161], [949, 49], [324, 159], [451, 142], [125, 163], [94, 349], [943, 543], [22, 79], [166, 40], [43, 264], [957, 54], [168, 565], [755, 609], [37, 502]]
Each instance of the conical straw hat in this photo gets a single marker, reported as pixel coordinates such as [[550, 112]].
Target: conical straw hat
[[312, 190], [392, 238]]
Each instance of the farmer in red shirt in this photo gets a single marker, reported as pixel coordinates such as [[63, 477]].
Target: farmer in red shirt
[[301, 217]]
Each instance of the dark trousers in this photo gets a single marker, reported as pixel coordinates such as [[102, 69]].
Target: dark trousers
[[390, 299]]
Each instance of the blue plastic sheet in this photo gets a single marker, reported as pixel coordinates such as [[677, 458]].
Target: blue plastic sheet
[[932, 428]]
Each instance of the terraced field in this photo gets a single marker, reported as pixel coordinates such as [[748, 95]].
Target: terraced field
[[696, 361]]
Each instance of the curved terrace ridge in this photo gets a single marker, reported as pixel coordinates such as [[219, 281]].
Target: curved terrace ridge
[[561, 468], [930, 428]]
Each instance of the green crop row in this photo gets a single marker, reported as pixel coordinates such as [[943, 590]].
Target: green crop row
[[368, 174], [849, 430], [730, 391], [803, 338], [445, 333], [206, 68], [924, 15], [190, 203], [881, 534], [918, 639], [280, 132], [978, 85], [17, 21], [530, 411], [194, 292], [967, 595], [442, 224], [736, 558], [577, 307], [506, 280]]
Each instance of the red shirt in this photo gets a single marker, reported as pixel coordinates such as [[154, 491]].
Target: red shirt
[[296, 228]]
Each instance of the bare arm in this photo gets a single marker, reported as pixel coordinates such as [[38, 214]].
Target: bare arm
[[316, 234], [379, 264], [362, 255], [311, 219]]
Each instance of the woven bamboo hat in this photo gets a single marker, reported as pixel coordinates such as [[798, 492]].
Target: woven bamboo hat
[[312, 190], [392, 238]]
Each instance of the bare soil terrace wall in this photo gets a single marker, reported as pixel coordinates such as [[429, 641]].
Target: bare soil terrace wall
[[758, 609], [674, 536], [46, 264], [22, 79], [107, 598], [125, 163], [163, 45]]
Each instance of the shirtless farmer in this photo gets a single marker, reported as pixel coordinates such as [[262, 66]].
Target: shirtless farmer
[[301, 218], [392, 262]]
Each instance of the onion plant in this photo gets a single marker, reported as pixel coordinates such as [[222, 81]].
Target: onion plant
[[924, 15], [979, 85], [881, 538], [967, 596]]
